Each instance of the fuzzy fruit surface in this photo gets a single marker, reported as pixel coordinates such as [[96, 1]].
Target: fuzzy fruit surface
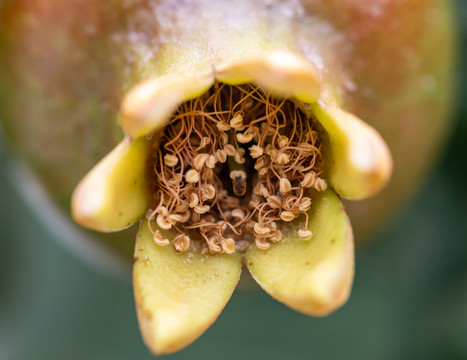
[[65, 67]]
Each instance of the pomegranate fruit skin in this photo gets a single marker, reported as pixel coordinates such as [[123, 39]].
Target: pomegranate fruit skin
[[65, 67]]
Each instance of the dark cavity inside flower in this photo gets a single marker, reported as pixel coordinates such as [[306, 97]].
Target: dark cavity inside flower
[[232, 168]]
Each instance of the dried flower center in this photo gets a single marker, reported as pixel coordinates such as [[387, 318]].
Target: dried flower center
[[230, 167]]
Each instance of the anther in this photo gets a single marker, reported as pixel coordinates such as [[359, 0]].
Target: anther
[[174, 218], [261, 243], [222, 126], [261, 230], [237, 122], [181, 243], [205, 141], [207, 174], [162, 222], [277, 236], [202, 209], [305, 234], [228, 245], [163, 211], [274, 202], [244, 138], [175, 180], [208, 192], [221, 156], [256, 151], [230, 150], [320, 185], [199, 160], [259, 163], [214, 244], [238, 213], [170, 160], [211, 162], [282, 159], [159, 239], [305, 204], [192, 176], [194, 200], [282, 141], [285, 186], [308, 180], [185, 217], [287, 215]]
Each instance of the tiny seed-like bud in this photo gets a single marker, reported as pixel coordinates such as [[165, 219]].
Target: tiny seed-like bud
[[287, 215], [256, 151], [285, 186], [244, 138], [261, 230], [261, 243], [170, 160], [162, 222], [192, 176], [320, 184], [305, 234], [194, 200], [201, 209], [222, 126], [159, 239], [199, 160], [230, 150], [308, 180]]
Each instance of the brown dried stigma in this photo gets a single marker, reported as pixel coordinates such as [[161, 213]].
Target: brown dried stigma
[[230, 167]]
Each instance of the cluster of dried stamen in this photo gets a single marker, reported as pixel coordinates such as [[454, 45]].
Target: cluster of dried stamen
[[208, 158]]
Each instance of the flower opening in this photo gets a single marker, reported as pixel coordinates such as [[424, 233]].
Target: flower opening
[[232, 168]]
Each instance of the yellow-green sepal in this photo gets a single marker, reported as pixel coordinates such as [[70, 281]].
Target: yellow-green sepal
[[113, 195], [312, 276], [359, 163], [149, 105], [281, 72], [178, 296]]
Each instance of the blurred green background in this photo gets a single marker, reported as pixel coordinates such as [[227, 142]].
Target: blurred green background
[[409, 300]]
